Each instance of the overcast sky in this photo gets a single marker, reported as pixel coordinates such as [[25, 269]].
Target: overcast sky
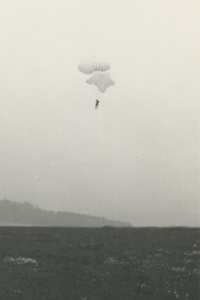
[[135, 158]]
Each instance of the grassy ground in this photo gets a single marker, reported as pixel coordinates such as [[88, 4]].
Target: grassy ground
[[99, 264]]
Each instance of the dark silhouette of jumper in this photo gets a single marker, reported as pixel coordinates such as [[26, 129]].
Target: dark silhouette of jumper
[[97, 103]]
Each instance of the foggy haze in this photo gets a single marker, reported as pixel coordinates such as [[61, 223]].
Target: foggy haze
[[135, 158]]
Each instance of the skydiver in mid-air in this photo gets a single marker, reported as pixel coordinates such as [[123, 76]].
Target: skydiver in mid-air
[[97, 103]]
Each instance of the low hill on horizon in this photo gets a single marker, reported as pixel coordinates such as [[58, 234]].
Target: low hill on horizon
[[26, 214]]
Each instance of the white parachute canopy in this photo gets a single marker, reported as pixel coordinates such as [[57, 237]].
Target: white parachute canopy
[[89, 65], [102, 81]]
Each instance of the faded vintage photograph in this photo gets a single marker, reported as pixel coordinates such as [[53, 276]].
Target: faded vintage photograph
[[99, 150]]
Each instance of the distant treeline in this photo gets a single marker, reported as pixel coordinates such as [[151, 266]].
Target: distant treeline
[[27, 214]]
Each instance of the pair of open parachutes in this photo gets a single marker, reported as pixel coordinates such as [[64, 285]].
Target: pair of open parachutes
[[97, 67]]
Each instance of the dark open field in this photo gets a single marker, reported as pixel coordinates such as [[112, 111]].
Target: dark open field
[[93, 264]]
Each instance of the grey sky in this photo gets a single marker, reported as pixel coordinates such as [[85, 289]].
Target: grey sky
[[136, 158]]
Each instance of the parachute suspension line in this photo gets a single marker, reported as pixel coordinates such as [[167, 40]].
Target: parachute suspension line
[[97, 94]]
